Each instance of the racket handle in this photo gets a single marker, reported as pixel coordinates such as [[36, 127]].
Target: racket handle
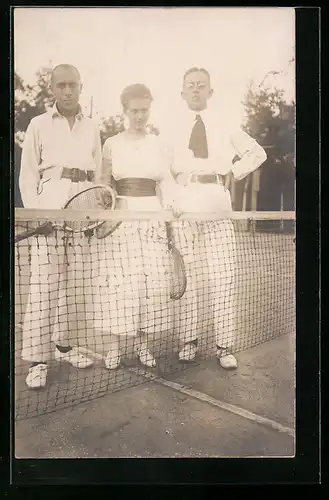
[[25, 235], [44, 229], [169, 235]]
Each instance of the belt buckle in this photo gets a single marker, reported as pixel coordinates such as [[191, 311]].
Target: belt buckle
[[75, 177], [90, 175], [211, 178], [198, 178]]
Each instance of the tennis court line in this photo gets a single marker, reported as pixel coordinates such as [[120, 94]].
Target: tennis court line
[[205, 398]]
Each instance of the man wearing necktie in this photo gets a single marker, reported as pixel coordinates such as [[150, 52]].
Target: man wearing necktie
[[205, 150], [198, 140]]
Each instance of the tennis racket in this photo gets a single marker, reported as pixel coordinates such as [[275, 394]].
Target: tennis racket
[[24, 231], [178, 286], [95, 197]]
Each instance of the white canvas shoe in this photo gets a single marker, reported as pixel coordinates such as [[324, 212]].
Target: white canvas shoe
[[146, 357], [37, 376], [74, 357], [226, 360], [188, 352], [113, 359]]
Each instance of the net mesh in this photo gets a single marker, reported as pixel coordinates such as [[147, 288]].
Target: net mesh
[[111, 301]]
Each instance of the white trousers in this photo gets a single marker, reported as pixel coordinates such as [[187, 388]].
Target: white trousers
[[208, 249], [56, 294], [186, 309], [217, 242]]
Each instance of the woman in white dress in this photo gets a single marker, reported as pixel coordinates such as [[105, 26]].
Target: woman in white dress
[[134, 268]]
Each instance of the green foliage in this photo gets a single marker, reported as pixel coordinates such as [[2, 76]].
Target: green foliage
[[110, 126], [30, 101], [113, 125], [271, 121]]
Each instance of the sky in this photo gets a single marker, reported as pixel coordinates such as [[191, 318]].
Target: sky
[[114, 47]]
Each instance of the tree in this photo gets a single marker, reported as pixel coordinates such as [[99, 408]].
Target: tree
[[270, 119], [113, 125], [110, 126], [31, 100]]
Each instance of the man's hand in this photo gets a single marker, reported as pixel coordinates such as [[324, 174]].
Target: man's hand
[[228, 181]]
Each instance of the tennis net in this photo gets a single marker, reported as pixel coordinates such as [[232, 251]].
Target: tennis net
[[111, 299]]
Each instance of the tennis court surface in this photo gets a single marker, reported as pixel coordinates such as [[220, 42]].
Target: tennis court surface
[[155, 420]]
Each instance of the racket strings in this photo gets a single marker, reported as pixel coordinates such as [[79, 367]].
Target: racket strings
[[96, 197], [178, 275], [91, 199]]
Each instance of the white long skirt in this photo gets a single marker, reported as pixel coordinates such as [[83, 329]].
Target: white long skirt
[[134, 276]]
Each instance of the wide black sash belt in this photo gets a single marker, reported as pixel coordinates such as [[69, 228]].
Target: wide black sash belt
[[135, 186]]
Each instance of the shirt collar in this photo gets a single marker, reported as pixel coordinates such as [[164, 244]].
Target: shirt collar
[[204, 114], [56, 114]]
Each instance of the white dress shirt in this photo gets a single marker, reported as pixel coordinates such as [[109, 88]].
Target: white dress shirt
[[49, 146], [224, 143]]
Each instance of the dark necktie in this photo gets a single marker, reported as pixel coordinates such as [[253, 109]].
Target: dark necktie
[[198, 140]]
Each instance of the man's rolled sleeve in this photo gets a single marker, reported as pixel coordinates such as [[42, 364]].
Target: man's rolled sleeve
[[251, 153]]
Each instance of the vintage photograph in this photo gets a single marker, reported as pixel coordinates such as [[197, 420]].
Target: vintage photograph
[[154, 246]]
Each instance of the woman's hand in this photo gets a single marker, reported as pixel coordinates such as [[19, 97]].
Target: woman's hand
[[105, 229], [177, 212]]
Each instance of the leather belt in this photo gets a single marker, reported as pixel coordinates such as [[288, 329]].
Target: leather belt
[[77, 175], [135, 186], [207, 178]]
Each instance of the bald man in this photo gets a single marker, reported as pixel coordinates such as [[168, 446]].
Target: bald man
[[61, 152]]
